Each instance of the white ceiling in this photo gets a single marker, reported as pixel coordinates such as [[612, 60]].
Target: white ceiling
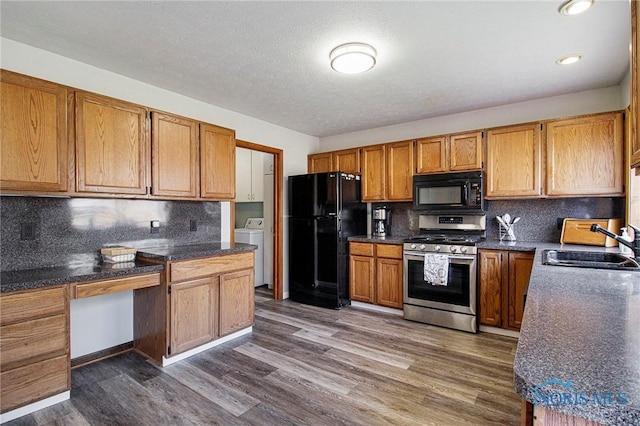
[[269, 60]]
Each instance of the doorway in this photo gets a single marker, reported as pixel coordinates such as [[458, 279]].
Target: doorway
[[272, 208]]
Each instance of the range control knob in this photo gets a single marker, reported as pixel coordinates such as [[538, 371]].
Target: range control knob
[[453, 249], [413, 246], [422, 246], [437, 248], [463, 249]]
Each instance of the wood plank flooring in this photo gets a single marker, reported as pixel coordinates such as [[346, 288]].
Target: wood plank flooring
[[304, 365]]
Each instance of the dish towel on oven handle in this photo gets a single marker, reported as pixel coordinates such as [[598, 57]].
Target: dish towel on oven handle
[[436, 268]]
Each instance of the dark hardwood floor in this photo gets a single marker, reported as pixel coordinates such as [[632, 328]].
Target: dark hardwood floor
[[304, 365]]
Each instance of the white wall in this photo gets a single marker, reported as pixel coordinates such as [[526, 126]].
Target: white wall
[[35, 62], [599, 100], [625, 89]]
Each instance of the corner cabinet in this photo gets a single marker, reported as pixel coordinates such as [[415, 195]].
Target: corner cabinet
[[514, 162], [217, 162], [35, 151], [503, 281], [112, 141], [175, 156], [585, 156], [375, 274]]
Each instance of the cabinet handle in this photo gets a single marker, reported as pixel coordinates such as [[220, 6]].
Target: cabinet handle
[[248, 196]]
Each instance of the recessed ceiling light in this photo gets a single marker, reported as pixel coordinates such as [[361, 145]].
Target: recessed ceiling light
[[353, 58], [569, 59], [576, 6]]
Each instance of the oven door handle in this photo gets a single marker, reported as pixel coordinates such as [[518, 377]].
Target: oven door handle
[[420, 256]]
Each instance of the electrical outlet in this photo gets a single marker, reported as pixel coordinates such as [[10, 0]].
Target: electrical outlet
[[193, 225], [28, 231], [155, 226]]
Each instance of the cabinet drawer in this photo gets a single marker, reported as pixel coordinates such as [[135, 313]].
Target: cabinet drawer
[[33, 382], [210, 266], [15, 307], [361, 249], [392, 251], [29, 341], [98, 288]]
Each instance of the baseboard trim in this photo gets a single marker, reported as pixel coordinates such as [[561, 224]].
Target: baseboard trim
[[370, 307], [35, 406], [500, 331], [168, 361], [100, 355]]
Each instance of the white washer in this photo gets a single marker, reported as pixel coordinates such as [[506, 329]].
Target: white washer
[[253, 233]]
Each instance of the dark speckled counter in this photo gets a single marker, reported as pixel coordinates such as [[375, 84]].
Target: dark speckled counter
[[583, 326], [58, 275], [390, 239], [193, 251]]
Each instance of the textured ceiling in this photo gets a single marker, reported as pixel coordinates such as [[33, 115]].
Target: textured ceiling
[[269, 60]]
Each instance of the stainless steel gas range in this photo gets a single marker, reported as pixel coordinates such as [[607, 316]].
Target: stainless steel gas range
[[443, 292]]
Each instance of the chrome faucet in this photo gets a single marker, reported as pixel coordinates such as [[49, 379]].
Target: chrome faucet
[[633, 245]]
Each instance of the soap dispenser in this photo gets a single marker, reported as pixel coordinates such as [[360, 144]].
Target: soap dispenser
[[624, 235]]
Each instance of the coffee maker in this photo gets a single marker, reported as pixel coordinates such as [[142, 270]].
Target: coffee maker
[[381, 221]]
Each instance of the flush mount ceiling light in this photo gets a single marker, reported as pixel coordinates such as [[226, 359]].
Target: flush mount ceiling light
[[353, 58], [576, 6], [569, 59]]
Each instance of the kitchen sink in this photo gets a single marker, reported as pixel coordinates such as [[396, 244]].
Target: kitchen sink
[[589, 259]]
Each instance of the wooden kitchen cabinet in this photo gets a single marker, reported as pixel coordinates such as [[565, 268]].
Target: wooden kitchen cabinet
[[514, 162], [432, 155], [236, 301], [217, 162], [34, 343], [320, 163], [585, 156], [112, 142], [175, 156], [634, 145], [35, 151], [503, 280], [346, 160], [399, 171], [374, 171], [375, 274], [449, 153]]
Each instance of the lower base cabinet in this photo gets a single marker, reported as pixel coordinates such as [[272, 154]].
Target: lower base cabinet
[[375, 274], [503, 281]]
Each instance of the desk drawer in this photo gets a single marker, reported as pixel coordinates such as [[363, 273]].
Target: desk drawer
[[22, 306], [210, 266], [99, 288]]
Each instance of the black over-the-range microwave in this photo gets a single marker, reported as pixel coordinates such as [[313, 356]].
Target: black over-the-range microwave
[[461, 191]]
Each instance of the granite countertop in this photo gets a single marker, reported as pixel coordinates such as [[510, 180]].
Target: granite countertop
[[57, 275], [580, 325], [389, 239], [185, 252]]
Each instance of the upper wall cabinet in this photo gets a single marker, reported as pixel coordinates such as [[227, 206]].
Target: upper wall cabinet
[[175, 156], [514, 156], [459, 152], [585, 156], [35, 149], [400, 171], [249, 176], [319, 163], [346, 160], [111, 145], [217, 162], [374, 179], [635, 86]]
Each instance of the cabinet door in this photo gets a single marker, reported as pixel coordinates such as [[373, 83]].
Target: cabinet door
[[347, 160], [514, 162], [361, 278], [35, 150], [194, 313], [520, 264], [236, 301], [243, 175], [111, 145], [319, 163], [257, 177], [635, 86], [217, 162], [585, 156], [432, 155], [465, 151], [400, 167], [373, 173], [492, 276], [174, 156], [389, 282]]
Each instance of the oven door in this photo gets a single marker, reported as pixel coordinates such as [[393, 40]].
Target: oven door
[[459, 295]]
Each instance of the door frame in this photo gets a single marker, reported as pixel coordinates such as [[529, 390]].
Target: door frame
[[278, 221]]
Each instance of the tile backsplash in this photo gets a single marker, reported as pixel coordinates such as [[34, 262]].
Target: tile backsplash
[[539, 217], [69, 230]]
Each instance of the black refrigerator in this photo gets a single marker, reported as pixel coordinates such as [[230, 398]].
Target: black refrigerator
[[324, 210]]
